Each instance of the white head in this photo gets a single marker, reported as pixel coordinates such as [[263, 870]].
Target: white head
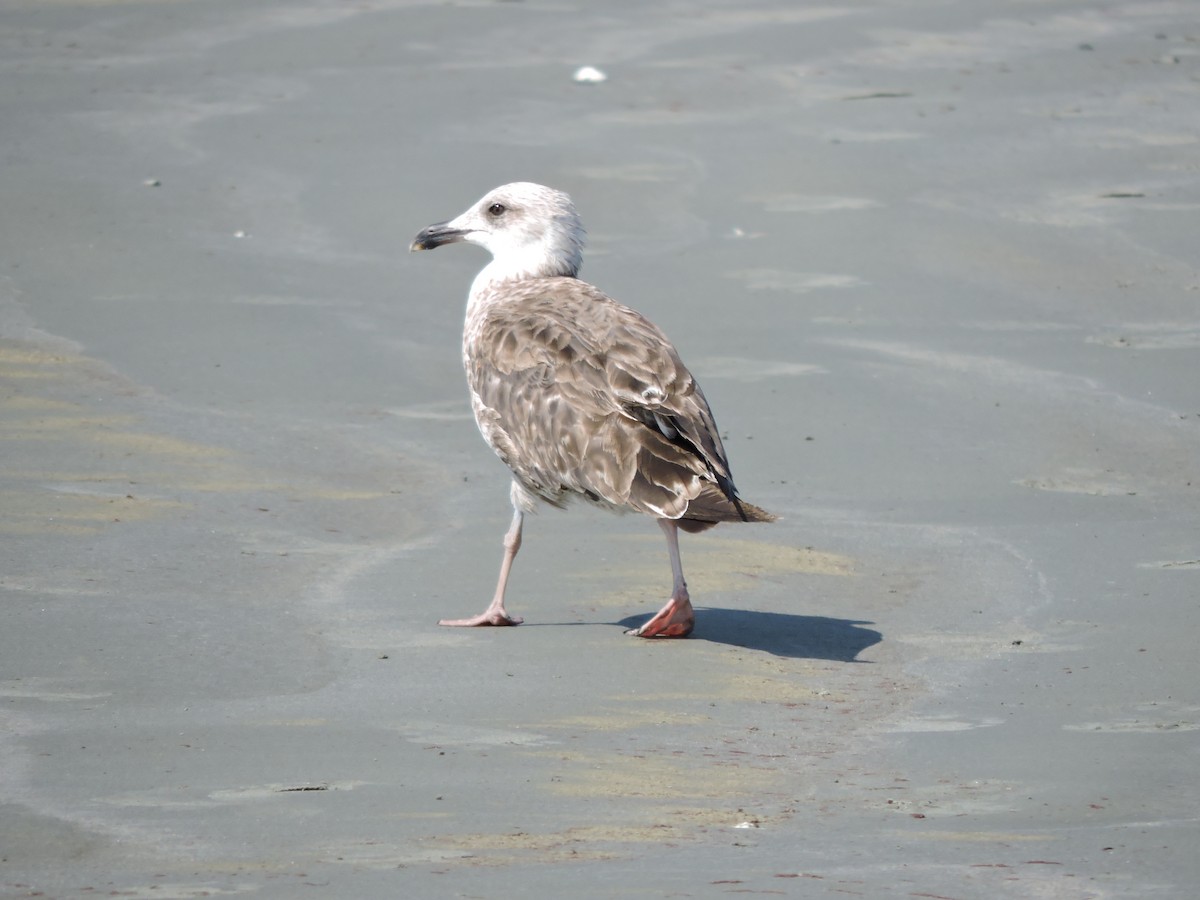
[[531, 231]]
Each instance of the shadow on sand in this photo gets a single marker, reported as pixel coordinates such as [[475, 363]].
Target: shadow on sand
[[798, 637]]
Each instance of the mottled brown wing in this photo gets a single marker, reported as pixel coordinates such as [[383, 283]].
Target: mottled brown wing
[[578, 393]]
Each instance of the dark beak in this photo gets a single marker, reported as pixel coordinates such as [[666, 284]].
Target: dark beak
[[435, 236]]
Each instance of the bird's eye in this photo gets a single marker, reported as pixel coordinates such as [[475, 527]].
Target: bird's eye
[[497, 209]]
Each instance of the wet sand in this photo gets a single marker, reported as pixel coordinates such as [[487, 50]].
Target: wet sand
[[935, 266]]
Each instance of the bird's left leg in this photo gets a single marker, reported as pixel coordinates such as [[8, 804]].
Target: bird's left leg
[[676, 619]]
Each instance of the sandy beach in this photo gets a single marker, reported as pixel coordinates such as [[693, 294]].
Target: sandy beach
[[934, 263]]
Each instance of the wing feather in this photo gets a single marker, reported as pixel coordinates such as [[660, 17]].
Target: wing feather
[[579, 394]]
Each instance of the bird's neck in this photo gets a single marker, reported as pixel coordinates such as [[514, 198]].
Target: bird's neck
[[539, 260]]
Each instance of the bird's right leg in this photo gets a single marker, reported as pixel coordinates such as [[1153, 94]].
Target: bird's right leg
[[496, 614], [676, 619]]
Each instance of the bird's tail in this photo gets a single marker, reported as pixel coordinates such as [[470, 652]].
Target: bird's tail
[[713, 506]]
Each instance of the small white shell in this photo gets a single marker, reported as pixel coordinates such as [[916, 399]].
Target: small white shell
[[589, 75]]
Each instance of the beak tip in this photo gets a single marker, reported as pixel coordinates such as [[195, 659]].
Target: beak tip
[[435, 236]]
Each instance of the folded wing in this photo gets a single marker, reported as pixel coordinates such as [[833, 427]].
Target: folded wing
[[579, 394]]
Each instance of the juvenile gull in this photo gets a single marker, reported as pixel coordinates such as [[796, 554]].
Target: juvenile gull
[[579, 395]]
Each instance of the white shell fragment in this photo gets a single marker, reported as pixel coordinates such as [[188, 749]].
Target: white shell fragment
[[589, 75]]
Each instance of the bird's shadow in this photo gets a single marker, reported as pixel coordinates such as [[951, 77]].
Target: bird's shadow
[[783, 634]]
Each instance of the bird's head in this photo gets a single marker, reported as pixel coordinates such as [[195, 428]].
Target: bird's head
[[530, 230]]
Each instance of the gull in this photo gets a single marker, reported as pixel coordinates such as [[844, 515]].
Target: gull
[[580, 396]]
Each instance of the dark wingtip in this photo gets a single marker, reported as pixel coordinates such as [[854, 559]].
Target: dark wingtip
[[725, 483]]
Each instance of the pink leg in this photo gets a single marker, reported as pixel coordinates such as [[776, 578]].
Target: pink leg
[[676, 619], [496, 614]]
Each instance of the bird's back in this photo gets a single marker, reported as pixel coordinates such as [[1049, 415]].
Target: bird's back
[[581, 395]]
